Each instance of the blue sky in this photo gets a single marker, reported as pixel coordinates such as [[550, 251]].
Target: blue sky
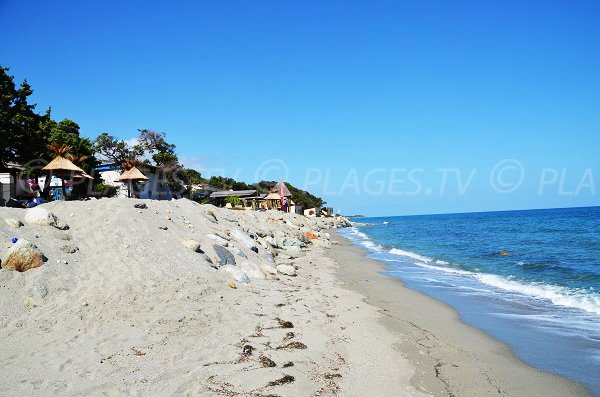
[[368, 104]]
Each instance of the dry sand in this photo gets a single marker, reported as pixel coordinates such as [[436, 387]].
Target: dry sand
[[133, 311]]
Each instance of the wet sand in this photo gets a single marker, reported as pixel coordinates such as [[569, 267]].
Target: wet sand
[[450, 357]]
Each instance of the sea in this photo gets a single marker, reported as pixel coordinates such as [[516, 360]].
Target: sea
[[528, 278]]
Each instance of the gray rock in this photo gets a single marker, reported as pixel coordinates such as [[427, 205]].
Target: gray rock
[[287, 270], [14, 223], [218, 239], [244, 239], [224, 256], [268, 257], [236, 273], [193, 245], [140, 206]]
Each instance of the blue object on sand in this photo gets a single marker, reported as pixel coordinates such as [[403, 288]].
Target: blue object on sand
[[14, 240]]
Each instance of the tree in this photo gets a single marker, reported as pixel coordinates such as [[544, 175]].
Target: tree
[[21, 138], [190, 176], [115, 150]]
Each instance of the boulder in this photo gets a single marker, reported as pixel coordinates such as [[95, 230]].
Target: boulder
[[267, 269], [252, 270], [14, 223], [287, 270], [224, 256], [289, 242], [193, 245], [237, 274], [218, 239], [43, 217], [22, 256], [40, 216], [244, 239]]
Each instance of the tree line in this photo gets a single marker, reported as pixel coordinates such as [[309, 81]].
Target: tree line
[[27, 138]]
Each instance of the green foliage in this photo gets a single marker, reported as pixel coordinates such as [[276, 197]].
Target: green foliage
[[190, 176], [229, 184], [234, 201], [300, 197], [103, 190], [115, 150]]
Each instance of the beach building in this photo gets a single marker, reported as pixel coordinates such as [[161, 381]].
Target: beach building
[[219, 198], [156, 188], [312, 211]]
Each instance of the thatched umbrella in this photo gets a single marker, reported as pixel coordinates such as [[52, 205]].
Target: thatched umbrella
[[131, 175], [61, 166]]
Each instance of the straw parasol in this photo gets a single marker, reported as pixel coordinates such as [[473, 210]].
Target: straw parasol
[[131, 175], [272, 199], [61, 166]]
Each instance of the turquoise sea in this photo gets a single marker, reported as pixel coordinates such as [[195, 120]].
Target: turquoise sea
[[528, 278]]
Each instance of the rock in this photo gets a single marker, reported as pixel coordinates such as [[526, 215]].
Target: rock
[[268, 257], [140, 206], [69, 249], [218, 239], [43, 217], [224, 256], [22, 256], [267, 269], [287, 270], [61, 225], [211, 217], [40, 292], [62, 236], [244, 239], [163, 228], [14, 223], [289, 242], [193, 245], [236, 273], [252, 270]]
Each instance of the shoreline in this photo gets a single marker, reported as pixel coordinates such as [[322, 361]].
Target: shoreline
[[450, 357]]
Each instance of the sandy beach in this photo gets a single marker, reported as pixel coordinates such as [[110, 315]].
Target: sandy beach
[[176, 298]]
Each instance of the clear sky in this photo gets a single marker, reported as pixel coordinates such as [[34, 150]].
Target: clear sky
[[381, 107]]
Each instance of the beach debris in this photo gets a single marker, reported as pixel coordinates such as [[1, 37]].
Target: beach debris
[[237, 274], [293, 345], [211, 217], [504, 253], [287, 270], [247, 350], [288, 364], [331, 376], [281, 381], [288, 336], [140, 206], [43, 217], [30, 303], [14, 240], [22, 256], [163, 228], [69, 249], [232, 285], [266, 362], [284, 324], [311, 236], [193, 245], [14, 223], [225, 257]]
